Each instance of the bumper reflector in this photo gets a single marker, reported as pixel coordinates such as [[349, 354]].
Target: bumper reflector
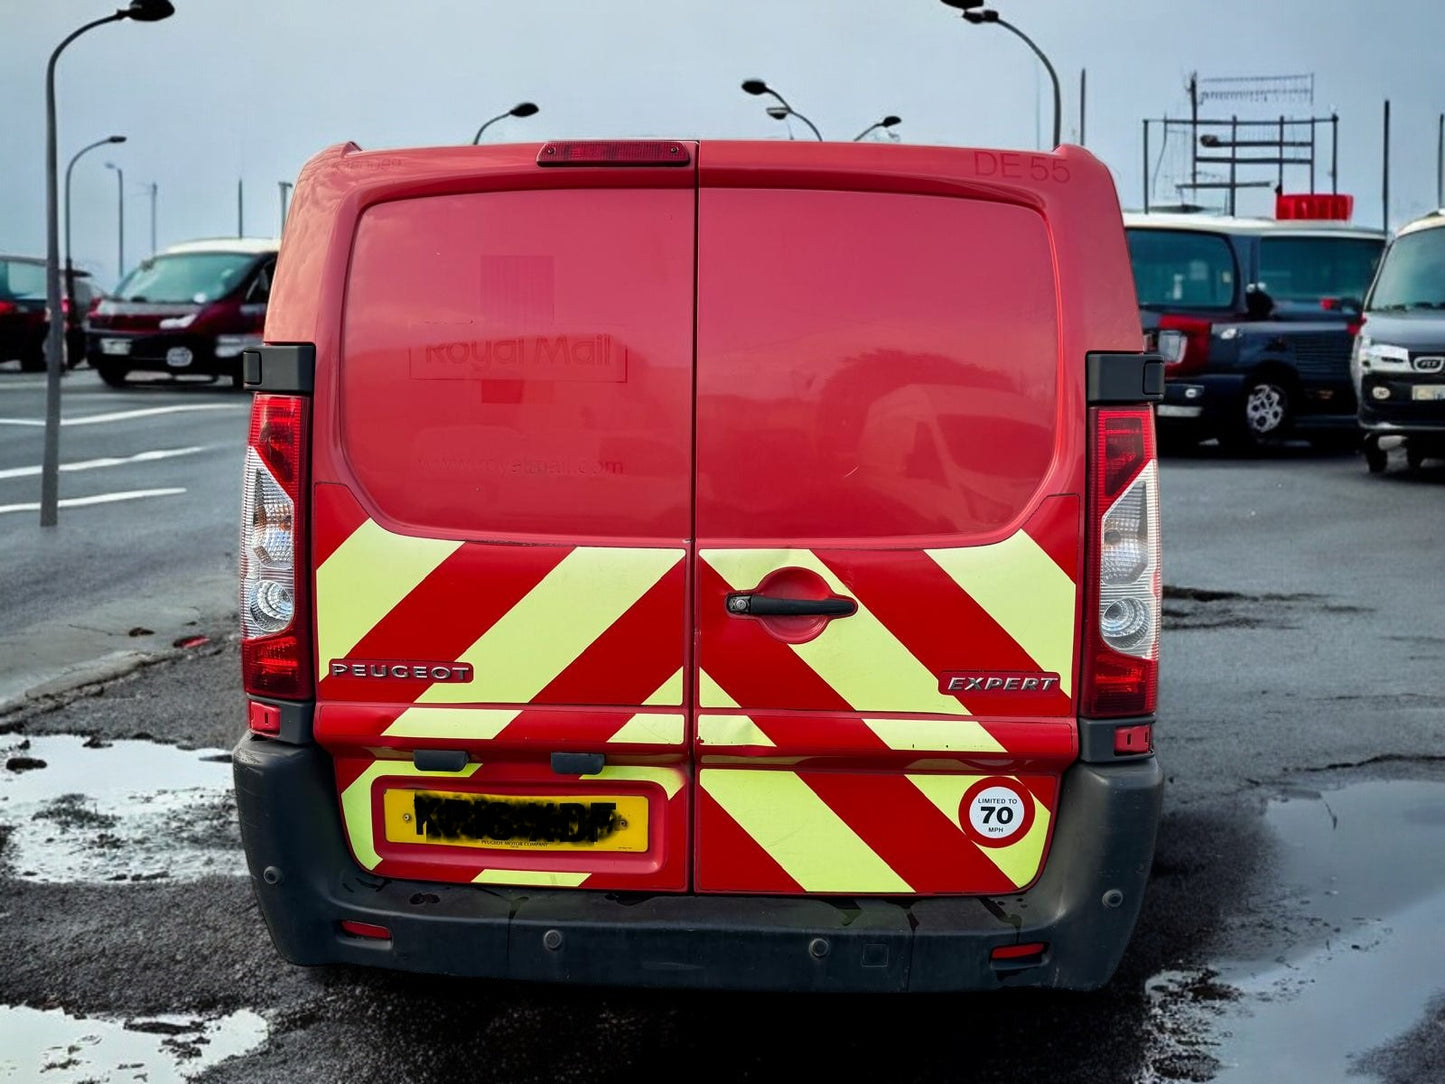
[[263, 718], [365, 929], [1019, 952], [1129, 740]]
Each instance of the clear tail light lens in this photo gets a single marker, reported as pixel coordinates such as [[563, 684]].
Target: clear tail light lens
[[1122, 668], [275, 654]]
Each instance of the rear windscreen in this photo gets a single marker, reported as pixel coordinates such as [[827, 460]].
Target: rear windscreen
[[1312, 268], [21, 281], [1182, 269], [520, 363]]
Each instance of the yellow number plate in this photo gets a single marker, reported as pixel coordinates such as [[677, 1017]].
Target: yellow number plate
[[510, 822]]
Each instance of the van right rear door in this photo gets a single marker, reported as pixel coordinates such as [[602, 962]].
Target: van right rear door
[[889, 455]]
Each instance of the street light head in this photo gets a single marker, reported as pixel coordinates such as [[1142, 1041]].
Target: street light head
[[116, 139], [778, 112], [988, 15], [965, 5], [755, 86], [524, 109], [147, 11], [889, 121], [111, 165]]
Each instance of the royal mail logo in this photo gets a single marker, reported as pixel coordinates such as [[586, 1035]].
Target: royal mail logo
[[398, 670], [528, 357], [1022, 682]]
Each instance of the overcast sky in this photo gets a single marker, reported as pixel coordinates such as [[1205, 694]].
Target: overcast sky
[[250, 89]]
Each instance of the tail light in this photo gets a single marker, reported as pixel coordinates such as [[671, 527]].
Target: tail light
[[1183, 342], [7, 307], [1121, 665], [275, 645]]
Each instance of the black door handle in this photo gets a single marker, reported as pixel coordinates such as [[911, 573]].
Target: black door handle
[[772, 606]]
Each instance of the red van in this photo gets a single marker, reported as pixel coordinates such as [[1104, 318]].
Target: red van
[[720, 565]]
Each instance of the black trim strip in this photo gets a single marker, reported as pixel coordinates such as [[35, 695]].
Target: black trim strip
[[288, 368], [1123, 378]]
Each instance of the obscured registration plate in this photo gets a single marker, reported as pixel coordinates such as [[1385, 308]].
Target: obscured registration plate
[[567, 822], [115, 346], [1428, 391]]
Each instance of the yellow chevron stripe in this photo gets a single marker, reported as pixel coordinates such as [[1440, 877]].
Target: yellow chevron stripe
[[730, 730], [858, 656], [542, 634], [356, 803], [935, 735], [669, 779], [1020, 860], [474, 724], [529, 877], [669, 695], [1022, 589], [801, 833], [643, 729], [710, 694], [363, 580]]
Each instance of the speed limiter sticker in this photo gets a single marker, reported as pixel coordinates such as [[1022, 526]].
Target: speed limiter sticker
[[996, 811]]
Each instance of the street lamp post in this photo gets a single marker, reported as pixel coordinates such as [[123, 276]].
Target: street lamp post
[[887, 122], [286, 187], [975, 12], [521, 109], [154, 189], [120, 220], [142, 11], [783, 110], [70, 267]]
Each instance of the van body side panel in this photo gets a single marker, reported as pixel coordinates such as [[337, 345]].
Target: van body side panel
[[880, 421], [501, 540]]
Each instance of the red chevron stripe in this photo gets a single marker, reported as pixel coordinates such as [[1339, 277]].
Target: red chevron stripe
[[941, 625], [908, 832], [335, 515], [630, 661], [447, 612], [730, 860], [753, 668], [1056, 528]]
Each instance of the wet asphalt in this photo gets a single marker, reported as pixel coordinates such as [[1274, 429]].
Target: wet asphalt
[[1303, 738]]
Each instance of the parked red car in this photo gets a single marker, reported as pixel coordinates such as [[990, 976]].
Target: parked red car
[[23, 326]]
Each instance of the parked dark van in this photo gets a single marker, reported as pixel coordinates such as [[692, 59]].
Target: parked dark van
[[1399, 356], [189, 310], [1255, 318]]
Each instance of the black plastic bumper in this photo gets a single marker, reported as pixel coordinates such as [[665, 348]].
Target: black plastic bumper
[[1084, 906]]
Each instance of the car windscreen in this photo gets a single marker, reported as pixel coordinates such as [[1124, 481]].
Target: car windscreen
[[1312, 268], [21, 280], [1413, 275], [1182, 269], [196, 277]]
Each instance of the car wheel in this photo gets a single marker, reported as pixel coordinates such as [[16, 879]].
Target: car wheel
[[1266, 413], [112, 374], [1376, 458]]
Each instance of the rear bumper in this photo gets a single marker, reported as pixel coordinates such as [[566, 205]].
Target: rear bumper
[[1084, 906]]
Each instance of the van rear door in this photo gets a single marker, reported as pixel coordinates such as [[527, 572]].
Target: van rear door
[[889, 466], [502, 510]]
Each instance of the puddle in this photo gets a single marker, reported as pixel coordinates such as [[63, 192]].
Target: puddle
[[123, 811], [52, 1047], [1361, 891]]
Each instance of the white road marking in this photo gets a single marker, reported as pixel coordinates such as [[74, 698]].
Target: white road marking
[[126, 415], [99, 498], [108, 461]]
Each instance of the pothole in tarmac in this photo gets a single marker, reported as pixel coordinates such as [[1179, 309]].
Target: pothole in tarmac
[[78, 810], [1361, 895], [56, 1048]]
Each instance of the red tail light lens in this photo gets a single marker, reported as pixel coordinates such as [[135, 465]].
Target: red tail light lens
[[7, 307], [275, 649], [1121, 667], [1184, 343]]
